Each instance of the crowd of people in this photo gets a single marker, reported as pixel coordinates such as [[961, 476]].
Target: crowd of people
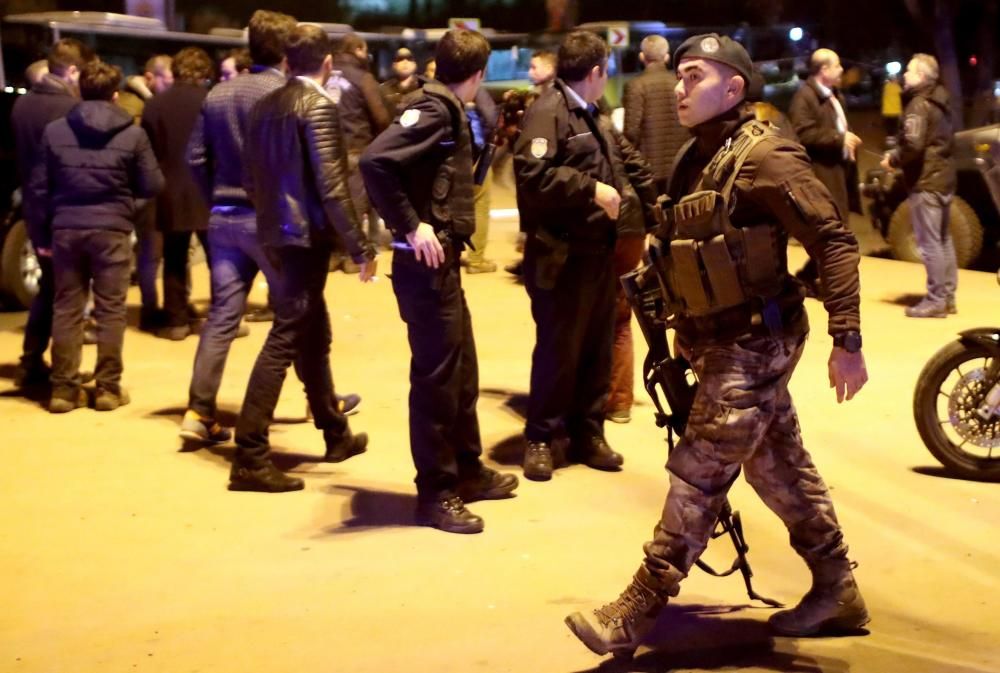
[[291, 164]]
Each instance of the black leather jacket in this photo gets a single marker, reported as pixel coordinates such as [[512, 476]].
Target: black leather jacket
[[296, 171]]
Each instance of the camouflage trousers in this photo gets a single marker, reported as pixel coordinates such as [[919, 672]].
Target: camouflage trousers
[[742, 417]]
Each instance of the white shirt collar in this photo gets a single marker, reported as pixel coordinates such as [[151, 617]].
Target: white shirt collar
[[825, 90], [311, 82]]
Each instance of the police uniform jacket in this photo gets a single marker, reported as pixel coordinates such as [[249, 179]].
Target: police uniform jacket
[[559, 158], [924, 147], [297, 171], [421, 168], [776, 185]]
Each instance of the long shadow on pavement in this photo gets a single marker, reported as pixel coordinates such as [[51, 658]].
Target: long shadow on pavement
[[941, 472], [689, 637], [371, 508]]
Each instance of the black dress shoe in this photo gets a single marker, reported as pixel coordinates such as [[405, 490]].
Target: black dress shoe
[[339, 449], [448, 513], [594, 452], [538, 461], [265, 478], [487, 485], [260, 315]]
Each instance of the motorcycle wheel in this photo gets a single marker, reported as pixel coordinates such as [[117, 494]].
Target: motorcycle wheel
[[949, 391]]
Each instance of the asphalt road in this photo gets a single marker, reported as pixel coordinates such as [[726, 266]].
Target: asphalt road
[[120, 551]]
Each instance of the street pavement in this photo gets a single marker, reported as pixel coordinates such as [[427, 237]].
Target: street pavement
[[122, 550]]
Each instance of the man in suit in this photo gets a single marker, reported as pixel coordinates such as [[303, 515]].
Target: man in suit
[[818, 115]]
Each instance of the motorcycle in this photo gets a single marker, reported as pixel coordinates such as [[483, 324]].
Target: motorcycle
[[956, 404]]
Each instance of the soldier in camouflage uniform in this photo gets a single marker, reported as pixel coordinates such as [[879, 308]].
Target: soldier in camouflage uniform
[[741, 325]]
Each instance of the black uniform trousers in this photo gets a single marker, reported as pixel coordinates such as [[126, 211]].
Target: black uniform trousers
[[444, 372], [300, 334], [574, 336]]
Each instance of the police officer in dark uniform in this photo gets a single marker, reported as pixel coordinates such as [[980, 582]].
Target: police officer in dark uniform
[[569, 197], [740, 189], [420, 175]]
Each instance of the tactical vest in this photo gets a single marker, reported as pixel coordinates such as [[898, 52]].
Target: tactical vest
[[452, 202], [710, 265]]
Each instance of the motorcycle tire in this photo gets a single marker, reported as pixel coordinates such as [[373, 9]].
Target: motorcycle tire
[[926, 399]]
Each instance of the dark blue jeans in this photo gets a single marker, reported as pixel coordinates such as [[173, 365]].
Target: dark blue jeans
[[929, 213], [236, 259]]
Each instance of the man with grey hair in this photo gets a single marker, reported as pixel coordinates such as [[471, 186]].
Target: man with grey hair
[[924, 155], [651, 110]]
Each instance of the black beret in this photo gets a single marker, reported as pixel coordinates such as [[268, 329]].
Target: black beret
[[719, 48]]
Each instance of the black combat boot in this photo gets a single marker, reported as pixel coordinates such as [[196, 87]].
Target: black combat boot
[[832, 605], [341, 447], [596, 453], [620, 626], [538, 461], [447, 512], [263, 477], [487, 484]]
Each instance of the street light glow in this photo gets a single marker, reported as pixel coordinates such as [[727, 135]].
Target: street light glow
[[893, 67], [795, 34]]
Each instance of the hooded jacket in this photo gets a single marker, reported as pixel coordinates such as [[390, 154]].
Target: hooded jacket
[[924, 147], [92, 167]]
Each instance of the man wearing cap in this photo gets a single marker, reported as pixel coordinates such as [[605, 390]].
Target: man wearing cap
[[395, 90], [743, 334]]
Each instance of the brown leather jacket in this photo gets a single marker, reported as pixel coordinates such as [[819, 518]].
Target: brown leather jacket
[[296, 171]]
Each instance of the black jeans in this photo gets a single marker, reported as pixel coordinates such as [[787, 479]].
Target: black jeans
[[148, 256], [301, 326], [236, 259], [444, 372], [38, 330], [574, 336], [86, 260], [177, 275]]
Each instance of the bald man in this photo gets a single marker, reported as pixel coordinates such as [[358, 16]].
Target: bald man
[[819, 116]]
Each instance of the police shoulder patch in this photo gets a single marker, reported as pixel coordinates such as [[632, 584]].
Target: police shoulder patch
[[539, 146], [409, 118], [913, 127]]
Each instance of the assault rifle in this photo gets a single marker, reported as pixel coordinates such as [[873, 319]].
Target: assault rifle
[[672, 376]]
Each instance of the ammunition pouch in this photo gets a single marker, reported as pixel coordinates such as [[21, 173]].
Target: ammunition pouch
[[706, 265], [552, 255]]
